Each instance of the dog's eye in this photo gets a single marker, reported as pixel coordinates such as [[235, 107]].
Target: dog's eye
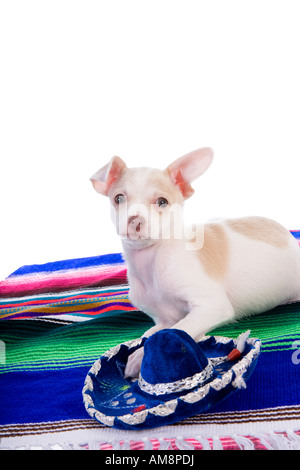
[[161, 202], [120, 198]]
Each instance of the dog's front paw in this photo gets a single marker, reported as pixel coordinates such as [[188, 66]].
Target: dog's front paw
[[134, 362]]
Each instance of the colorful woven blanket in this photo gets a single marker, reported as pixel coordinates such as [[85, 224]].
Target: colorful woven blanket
[[58, 318]]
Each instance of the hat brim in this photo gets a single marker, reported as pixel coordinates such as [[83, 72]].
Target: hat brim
[[116, 401]]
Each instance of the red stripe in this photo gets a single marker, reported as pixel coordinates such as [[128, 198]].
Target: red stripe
[[63, 282]]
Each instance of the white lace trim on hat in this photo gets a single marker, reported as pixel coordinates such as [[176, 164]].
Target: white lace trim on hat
[[179, 385]]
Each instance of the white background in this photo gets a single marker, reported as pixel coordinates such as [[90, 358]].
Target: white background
[[149, 81]]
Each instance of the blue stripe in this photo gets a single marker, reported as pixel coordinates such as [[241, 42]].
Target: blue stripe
[[54, 395], [111, 259], [32, 397], [296, 233]]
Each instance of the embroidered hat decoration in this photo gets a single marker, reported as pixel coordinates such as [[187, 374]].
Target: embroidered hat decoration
[[179, 378]]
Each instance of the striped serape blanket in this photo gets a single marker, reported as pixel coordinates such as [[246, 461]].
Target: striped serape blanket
[[58, 318]]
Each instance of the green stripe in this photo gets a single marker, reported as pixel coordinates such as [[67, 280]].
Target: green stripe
[[37, 345], [283, 321]]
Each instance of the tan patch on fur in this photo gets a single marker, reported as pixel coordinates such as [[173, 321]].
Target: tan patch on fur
[[215, 251], [259, 228]]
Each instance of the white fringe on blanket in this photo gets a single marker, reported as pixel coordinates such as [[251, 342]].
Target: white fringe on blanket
[[182, 437], [272, 441]]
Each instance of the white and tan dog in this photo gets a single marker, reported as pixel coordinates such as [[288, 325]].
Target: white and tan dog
[[194, 279]]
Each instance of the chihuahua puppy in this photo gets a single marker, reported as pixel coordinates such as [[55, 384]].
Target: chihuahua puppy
[[194, 278]]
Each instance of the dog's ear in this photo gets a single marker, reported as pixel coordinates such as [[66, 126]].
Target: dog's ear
[[106, 176], [189, 167]]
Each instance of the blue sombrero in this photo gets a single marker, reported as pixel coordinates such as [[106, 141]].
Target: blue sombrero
[[179, 378]]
